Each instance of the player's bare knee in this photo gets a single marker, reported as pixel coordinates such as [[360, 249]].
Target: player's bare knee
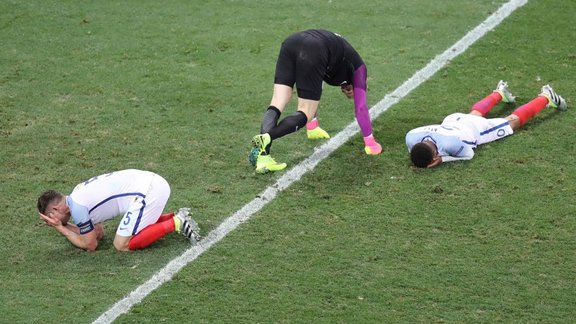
[[514, 121]]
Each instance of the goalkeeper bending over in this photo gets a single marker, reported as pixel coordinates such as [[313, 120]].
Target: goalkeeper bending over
[[306, 60]]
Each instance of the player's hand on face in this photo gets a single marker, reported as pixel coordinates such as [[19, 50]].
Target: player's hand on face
[[347, 90], [435, 162], [50, 219]]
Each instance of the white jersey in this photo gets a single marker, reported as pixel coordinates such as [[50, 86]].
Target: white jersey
[[108, 195], [459, 134]]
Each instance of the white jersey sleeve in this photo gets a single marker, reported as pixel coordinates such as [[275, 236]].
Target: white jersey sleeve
[[80, 215]]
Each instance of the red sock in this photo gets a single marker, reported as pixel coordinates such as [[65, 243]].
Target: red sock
[[485, 105], [151, 234], [531, 109], [165, 217]]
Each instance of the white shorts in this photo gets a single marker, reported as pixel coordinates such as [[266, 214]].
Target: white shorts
[[479, 129], [145, 211]]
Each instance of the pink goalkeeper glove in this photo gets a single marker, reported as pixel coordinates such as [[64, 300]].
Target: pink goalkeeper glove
[[372, 147]]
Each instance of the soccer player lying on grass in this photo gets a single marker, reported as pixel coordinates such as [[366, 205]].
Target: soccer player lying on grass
[[306, 60], [459, 134], [139, 196]]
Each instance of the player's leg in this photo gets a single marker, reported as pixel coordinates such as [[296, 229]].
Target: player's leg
[[140, 227], [522, 114], [261, 143], [307, 75], [165, 217], [309, 59], [150, 234], [179, 223], [280, 98], [294, 122], [284, 79], [501, 93], [301, 64], [492, 129], [479, 130], [547, 98]]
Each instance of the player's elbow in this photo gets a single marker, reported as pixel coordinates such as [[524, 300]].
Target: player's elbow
[[88, 241], [91, 246]]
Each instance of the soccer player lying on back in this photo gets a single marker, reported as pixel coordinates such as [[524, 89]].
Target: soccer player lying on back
[[459, 134], [139, 196]]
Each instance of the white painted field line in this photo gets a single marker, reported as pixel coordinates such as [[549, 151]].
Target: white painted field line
[[294, 174]]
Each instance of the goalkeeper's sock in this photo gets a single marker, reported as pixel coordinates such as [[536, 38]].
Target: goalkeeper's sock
[[485, 105], [313, 130], [531, 109], [312, 124], [270, 119], [151, 234], [288, 125]]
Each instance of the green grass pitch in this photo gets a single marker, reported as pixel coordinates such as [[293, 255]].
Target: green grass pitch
[[179, 88]]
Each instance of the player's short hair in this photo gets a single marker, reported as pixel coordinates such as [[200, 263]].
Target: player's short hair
[[48, 197], [421, 155]]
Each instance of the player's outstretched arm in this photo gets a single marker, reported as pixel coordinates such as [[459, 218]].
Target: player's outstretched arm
[[372, 147]]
